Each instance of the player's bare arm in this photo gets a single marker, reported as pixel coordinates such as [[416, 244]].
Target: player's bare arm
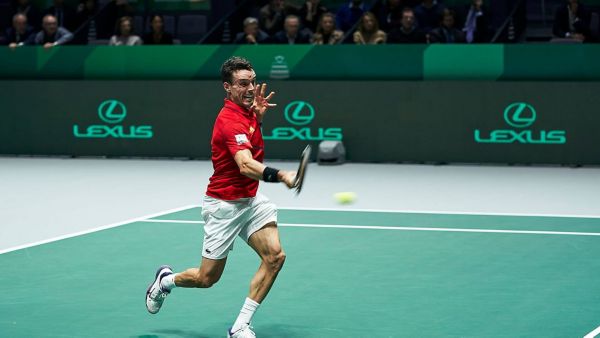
[[251, 168]]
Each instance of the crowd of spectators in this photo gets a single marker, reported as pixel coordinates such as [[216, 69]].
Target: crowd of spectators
[[280, 22], [62, 24], [389, 21]]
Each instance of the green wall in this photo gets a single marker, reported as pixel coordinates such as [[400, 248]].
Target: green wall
[[381, 121], [532, 62]]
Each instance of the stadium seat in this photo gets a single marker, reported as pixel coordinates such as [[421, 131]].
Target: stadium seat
[[138, 25], [190, 28]]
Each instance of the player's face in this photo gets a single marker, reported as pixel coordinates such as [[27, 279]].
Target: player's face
[[241, 88]]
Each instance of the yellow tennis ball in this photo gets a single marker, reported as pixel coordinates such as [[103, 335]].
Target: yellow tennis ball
[[346, 197]]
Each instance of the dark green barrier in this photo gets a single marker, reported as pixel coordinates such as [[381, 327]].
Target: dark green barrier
[[384, 121], [306, 62]]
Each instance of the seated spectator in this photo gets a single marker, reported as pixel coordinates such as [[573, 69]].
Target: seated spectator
[[368, 32], [157, 34], [572, 21], [65, 15], [447, 33], [20, 32], [310, 13], [407, 32], [429, 14], [273, 14], [251, 34], [125, 36], [30, 11], [52, 35], [291, 33], [477, 23], [327, 33], [349, 14]]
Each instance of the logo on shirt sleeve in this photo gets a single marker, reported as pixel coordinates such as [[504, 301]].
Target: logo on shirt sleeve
[[241, 139]]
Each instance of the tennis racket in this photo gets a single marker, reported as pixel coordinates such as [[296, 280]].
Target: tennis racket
[[304, 159]]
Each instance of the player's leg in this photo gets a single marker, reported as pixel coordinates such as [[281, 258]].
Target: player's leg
[[209, 273], [222, 225], [262, 235], [267, 245]]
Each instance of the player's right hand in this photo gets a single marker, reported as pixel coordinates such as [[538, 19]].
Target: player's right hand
[[288, 178]]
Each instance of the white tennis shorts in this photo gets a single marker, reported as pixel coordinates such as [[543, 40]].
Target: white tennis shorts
[[225, 220]]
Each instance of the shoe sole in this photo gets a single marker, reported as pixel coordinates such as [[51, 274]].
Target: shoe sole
[[157, 276]]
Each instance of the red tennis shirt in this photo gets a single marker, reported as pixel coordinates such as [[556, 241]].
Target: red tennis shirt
[[236, 128]]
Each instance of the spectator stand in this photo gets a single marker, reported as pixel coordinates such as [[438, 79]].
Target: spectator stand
[[227, 26], [188, 21]]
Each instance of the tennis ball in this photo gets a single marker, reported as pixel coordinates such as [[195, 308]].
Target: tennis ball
[[346, 197]]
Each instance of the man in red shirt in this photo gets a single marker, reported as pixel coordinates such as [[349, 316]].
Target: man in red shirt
[[232, 207]]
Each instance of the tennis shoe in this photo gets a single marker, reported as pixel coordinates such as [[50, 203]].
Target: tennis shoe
[[155, 295], [244, 332]]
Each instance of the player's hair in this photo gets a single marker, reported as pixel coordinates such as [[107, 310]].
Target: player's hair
[[232, 65]]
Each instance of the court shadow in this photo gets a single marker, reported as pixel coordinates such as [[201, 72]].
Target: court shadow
[[174, 333], [279, 331]]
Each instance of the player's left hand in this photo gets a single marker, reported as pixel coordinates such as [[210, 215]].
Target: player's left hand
[[261, 103]]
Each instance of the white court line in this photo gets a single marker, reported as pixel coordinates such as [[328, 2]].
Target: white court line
[[593, 333], [376, 227], [85, 232], [428, 212]]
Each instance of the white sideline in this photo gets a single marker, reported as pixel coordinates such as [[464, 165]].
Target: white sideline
[[593, 333], [85, 232], [428, 212], [375, 227]]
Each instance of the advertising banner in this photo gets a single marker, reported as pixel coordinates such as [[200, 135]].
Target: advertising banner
[[378, 121]]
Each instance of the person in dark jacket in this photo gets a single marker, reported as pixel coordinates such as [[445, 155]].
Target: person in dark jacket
[[407, 32], [157, 34], [572, 21], [447, 33], [19, 34], [291, 33], [251, 34]]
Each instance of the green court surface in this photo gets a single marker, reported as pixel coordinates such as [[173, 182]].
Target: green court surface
[[347, 274]]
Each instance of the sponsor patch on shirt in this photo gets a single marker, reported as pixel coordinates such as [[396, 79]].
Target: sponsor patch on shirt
[[241, 139]]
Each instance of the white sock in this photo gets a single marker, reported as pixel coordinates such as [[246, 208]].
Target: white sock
[[246, 314], [168, 282]]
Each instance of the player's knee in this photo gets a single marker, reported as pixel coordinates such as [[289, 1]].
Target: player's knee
[[275, 261]]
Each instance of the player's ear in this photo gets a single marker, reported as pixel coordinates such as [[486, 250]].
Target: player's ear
[[227, 86]]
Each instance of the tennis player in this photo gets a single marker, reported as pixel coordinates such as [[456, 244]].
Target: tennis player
[[232, 207]]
